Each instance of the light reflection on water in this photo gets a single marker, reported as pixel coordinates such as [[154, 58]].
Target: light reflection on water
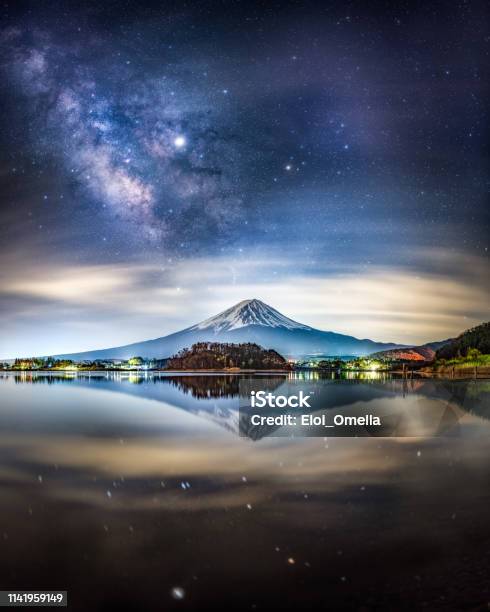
[[142, 480]]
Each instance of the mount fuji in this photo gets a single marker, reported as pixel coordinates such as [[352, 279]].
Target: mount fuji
[[247, 321]]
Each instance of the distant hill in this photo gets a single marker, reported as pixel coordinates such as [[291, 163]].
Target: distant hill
[[415, 353], [248, 321], [423, 353], [217, 356], [439, 344], [475, 338]]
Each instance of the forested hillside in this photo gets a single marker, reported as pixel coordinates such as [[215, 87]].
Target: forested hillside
[[219, 355]]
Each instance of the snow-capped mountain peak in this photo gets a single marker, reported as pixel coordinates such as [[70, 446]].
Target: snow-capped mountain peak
[[248, 312]]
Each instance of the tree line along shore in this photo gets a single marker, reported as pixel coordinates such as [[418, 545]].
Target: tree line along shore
[[468, 355]]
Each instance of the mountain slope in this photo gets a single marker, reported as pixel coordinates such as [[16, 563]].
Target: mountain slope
[[247, 321], [475, 338], [414, 353], [424, 352]]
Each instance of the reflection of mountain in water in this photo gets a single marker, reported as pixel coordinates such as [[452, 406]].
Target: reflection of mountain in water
[[216, 397], [208, 387], [474, 396], [453, 397]]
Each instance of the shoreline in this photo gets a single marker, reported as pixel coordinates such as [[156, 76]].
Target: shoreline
[[445, 372], [457, 372], [152, 371]]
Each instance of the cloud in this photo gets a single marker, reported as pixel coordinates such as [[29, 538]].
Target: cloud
[[67, 307]]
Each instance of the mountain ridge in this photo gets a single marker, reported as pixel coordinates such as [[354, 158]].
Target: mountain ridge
[[248, 321], [420, 353]]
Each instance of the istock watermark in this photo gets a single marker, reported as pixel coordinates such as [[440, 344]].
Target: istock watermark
[[261, 399], [280, 406]]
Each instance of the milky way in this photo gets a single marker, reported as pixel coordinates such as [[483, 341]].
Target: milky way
[[149, 150]]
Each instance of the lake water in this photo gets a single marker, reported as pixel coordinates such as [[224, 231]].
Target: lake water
[[138, 491]]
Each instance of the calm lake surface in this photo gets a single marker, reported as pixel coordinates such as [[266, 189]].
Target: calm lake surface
[[138, 492]]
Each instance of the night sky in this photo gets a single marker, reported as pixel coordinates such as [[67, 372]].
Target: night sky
[[160, 162]]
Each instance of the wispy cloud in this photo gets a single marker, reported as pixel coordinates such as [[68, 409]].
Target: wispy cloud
[[67, 307]]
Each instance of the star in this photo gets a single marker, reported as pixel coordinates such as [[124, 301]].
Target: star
[[180, 142]]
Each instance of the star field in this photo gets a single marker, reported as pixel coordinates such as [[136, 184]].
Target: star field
[[339, 133]]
